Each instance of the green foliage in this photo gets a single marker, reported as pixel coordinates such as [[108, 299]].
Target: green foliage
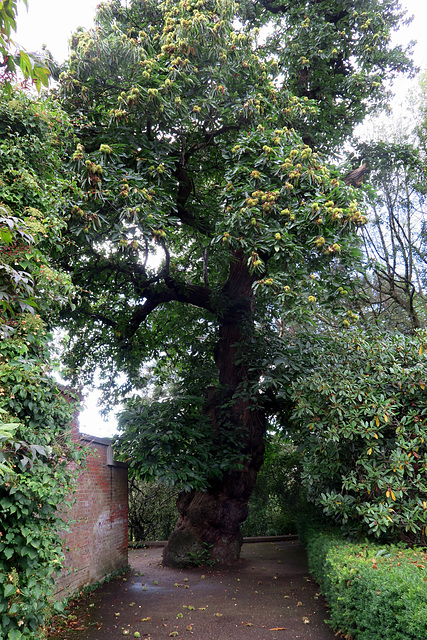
[[152, 511], [373, 591], [276, 499], [32, 192], [173, 442], [37, 457], [16, 285], [35, 452], [360, 418], [201, 558]]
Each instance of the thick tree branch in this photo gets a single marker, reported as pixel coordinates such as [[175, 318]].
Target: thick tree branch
[[270, 6], [195, 295]]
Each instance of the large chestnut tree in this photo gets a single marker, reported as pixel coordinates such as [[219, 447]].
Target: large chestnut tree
[[201, 223]]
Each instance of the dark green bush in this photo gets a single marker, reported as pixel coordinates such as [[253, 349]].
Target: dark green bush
[[152, 510], [274, 503], [374, 592]]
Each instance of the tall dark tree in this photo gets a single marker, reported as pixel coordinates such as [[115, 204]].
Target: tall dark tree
[[199, 216]]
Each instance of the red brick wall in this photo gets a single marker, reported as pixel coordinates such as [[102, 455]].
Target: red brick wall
[[96, 543]]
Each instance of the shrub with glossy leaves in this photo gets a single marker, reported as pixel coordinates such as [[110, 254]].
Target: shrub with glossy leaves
[[361, 419]]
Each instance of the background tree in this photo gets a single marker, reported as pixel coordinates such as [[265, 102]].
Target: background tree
[[278, 495], [152, 511], [188, 152], [394, 239]]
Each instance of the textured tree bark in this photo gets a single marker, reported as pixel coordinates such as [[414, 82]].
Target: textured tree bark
[[208, 528]]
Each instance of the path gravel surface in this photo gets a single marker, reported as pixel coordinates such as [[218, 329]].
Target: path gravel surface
[[268, 595]]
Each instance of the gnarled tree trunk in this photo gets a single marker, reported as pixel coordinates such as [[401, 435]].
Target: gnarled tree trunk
[[208, 528]]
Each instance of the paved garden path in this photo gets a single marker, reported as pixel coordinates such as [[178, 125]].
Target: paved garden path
[[268, 595]]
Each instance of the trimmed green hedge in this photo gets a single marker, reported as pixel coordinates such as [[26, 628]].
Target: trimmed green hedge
[[374, 592]]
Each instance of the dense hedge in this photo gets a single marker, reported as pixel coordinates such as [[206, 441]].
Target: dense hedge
[[374, 592]]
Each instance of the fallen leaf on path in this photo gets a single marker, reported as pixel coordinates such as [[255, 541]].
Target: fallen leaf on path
[[247, 624], [218, 615], [306, 620], [278, 629]]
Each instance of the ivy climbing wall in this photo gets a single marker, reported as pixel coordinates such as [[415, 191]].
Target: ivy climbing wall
[[96, 543]]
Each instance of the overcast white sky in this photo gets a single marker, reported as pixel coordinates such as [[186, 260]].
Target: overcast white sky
[[52, 22]]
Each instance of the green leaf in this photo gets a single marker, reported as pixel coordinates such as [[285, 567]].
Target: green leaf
[[25, 63], [9, 590]]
